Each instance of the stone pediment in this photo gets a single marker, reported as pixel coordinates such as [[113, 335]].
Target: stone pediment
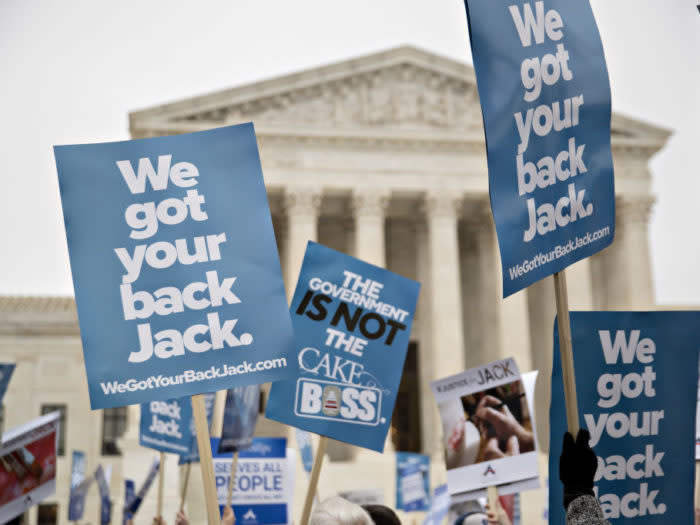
[[404, 92], [404, 88]]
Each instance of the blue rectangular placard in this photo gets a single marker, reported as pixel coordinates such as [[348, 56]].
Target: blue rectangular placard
[[438, 507], [636, 382], [76, 498], [240, 416], [165, 425], [412, 481], [175, 268], [261, 494], [352, 323], [545, 97]]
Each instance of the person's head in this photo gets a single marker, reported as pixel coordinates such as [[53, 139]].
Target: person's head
[[382, 515], [339, 511], [472, 518]]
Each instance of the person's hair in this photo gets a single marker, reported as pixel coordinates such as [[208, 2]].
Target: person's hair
[[382, 515], [339, 511]]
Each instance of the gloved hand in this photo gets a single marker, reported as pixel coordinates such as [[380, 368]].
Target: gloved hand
[[577, 466]]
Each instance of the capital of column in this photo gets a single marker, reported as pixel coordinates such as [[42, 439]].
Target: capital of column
[[370, 203], [302, 201], [634, 209], [442, 205]]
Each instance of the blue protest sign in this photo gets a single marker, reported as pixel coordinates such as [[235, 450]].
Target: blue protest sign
[[412, 481], [133, 504], [192, 455], [438, 507], [352, 322], [240, 416], [165, 425], [261, 494], [5, 376], [176, 273], [105, 502], [307, 454], [129, 496], [76, 498], [636, 380], [545, 97]]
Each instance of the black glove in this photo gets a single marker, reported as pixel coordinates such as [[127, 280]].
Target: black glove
[[577, 466]]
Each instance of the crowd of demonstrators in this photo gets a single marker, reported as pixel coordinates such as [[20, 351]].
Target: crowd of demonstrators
[[577, 467]]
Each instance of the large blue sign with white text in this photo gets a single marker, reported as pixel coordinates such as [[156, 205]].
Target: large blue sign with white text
[[175, 267], [545, 97], [636, 382], [352, 323], [165, 425]]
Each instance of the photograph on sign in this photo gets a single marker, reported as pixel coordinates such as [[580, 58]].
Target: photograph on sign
[[28, 465], [352, 324], [636, 383], [176, 273], [488, 427]]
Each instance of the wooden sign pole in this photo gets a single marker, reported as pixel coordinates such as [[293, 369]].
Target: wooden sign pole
[[567, 356], [232, 479], [313, 480], [205, 460], [492, 493], [183, 494], [161, 472]]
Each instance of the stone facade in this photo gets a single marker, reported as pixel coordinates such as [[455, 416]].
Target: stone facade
[[381, 157]]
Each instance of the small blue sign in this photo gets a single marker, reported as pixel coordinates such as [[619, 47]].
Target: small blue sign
[[545, 97], [129, 496], [105, 502], [176, 273], [438, 507], [165, 425], [636, 383], [78, 487], [5, 376], [240, 417], [352, 323], [412, 481], [261, 491]]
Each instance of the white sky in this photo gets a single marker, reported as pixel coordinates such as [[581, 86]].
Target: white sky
[[71, 71]]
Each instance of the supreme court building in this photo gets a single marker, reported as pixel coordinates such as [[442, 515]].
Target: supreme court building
[[381, 157]]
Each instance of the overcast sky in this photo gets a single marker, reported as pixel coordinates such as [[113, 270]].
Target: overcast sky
[[71, 71]]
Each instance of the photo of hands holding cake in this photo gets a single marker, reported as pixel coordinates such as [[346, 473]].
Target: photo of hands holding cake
[[487, 425]]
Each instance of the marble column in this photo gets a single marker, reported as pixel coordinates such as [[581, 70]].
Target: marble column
[[621, 273], [369, 212], [481, 275], [447, 337], [302, 209]]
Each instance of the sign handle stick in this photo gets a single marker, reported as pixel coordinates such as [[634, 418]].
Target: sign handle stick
[[697, 484], [492, 493], [161, 472], [232, 479], [205, 460], [183, 494], [313, 481], [567, 356]]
